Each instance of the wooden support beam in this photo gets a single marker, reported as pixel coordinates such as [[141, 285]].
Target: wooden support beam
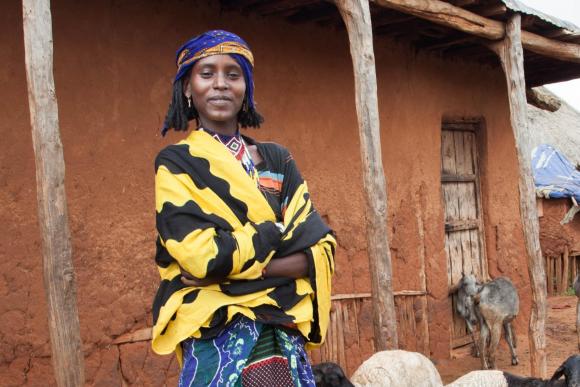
[[463, 3], [357, 18], [511, 55], [543, 100], [491, 10], [442, 45], [449, 15], [561, 32], [59, 279]]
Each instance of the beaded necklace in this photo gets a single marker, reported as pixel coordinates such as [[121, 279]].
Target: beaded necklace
[[238, 148]]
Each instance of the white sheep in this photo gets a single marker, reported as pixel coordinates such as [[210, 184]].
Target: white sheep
[[488, 378], [397, 368]]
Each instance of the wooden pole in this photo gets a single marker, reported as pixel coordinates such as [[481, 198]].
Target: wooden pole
[[460, 19], [423, 329], [357, 18], [574, 268], [59, 282], [566, 269], [558, 260], [511, 55], [549, 274]]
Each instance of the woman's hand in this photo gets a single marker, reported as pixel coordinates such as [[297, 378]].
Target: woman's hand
[[293, 266], [189, 280]]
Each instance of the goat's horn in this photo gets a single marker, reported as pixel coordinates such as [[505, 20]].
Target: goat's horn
[[454, 288], [559, 372]]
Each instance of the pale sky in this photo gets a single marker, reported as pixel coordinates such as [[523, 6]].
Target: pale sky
[[568, 10]]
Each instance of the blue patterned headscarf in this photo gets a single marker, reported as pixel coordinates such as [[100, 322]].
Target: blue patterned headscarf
[[214, 43], [217, 42]]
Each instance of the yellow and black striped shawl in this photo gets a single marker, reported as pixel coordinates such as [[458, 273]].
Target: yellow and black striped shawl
[[214, 222]]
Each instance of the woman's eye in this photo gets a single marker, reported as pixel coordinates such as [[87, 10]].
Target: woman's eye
[[206, 74], [233, 75]]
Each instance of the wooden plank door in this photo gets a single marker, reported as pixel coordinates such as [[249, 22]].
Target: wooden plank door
[[464, 235]]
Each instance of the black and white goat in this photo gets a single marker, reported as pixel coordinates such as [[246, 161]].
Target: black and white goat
[[493, 305]]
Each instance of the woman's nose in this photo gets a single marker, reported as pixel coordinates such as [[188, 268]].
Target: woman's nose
[[220, 81]]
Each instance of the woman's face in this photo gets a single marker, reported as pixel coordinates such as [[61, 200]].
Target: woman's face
[[217, 88]]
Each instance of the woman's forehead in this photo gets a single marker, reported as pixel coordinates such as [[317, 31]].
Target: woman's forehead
[[217, 60]]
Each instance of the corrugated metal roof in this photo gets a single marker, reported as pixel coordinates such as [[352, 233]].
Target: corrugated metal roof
[[518, 6]]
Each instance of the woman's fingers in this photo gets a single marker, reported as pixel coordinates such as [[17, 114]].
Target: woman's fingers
[[185, 274], [192, 281]]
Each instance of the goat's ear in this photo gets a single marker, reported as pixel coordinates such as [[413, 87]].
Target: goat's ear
[[559, 372]]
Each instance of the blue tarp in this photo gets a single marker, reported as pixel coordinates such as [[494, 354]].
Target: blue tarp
[[554, 175]]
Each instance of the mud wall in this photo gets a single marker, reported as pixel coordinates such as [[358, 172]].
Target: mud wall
[[554, 236], [113, 71], [415, 92]]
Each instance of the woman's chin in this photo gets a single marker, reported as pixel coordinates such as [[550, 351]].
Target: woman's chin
[[222, 117]]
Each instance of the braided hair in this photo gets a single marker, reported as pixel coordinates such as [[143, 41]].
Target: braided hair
[[180, 113]]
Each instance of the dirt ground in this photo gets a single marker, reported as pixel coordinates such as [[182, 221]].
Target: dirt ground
[[561, 343]]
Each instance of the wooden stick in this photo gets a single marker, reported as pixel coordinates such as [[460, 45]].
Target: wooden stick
[[460, 19], [511, 55], [558, 261], [410, 293], [425, 322], [350, 295], [423, 332], [554, 275], [143, 334], [335, 338], [574, 268], [565, 274], [340, 336], [549, 275], [357, 18], [59, 279]]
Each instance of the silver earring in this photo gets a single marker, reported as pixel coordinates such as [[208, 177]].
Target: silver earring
[[189, 101]]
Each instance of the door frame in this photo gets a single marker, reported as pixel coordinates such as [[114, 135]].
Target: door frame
[[476, 125]]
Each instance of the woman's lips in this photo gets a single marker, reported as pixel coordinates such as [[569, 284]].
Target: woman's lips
[[220, 101]]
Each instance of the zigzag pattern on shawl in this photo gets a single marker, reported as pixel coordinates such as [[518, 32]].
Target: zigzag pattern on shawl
[[213, 221]]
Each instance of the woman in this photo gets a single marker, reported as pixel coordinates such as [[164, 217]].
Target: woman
[[245, 260]]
